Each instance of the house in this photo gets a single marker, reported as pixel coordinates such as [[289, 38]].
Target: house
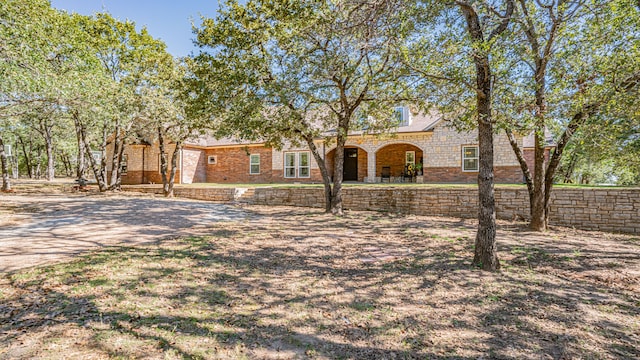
[[447, 156]]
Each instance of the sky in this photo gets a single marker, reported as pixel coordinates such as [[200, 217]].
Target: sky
[[168, 20]]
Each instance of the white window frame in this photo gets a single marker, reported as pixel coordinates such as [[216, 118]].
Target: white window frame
[[252, 164], [212, 159], [297, 156], [405, 116], [406, 158], [476, 158], [287, 166], [300, 167], [97, 156]]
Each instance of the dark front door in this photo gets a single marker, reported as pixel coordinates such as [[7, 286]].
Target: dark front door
[[350, 165]]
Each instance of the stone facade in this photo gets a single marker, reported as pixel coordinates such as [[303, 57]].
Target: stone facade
[[441, 150]]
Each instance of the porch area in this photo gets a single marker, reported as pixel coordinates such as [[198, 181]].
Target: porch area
[[392, 163]]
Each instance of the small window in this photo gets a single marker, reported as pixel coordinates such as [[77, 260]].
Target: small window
[[212, 159], [469, 158], [124, 164], [97, 156], [290, 165], [303, 165], [410, 158], [254, 162], [401, 116]]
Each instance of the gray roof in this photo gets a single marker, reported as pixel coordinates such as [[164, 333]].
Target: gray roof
[[418, 123]]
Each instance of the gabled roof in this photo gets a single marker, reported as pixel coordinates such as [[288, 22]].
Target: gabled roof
[[418, 123], [210, 141]]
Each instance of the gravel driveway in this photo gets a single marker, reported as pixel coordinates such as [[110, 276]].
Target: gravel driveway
[[41, 229]]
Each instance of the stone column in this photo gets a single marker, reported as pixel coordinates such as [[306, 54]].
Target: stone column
[[371, 166]]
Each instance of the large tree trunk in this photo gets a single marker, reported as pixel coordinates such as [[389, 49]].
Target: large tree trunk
[[338, 168], [38, 169], [163, 162], [485, 254], [81, 165], [523, 166], [116, 158], [99, 170], [27, 158], [554, 161], [6, 182], [323, 171], [538, 213], [174, 168], [48, 138]]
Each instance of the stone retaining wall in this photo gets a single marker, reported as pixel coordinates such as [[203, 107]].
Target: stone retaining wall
[[605, 209], [209, 194]]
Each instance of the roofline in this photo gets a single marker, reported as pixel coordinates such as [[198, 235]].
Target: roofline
[[222, 146]]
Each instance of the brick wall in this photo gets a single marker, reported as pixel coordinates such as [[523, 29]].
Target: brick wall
[[233, 165], [612, 209], [394, 156]]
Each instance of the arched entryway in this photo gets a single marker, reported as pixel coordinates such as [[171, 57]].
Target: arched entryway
[[355, 163], [396, 158]]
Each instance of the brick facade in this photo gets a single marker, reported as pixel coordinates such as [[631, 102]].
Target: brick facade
[[394, 156], [439, 149], [233, 165]]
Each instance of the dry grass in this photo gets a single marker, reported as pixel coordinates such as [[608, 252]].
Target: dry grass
[[296, 283]]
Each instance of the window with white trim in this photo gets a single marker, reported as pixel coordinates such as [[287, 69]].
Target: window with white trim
[[212, 159], [470, 159], [97, 156], [297, 165], [303, 165], [254, 164], [401, 115], [410, 158]]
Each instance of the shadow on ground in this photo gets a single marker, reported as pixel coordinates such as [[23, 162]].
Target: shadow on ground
[[301, 284]]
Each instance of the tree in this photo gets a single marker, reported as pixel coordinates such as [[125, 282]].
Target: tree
[[125, 56], [569, 55], [171, 110], [300, 71], [6, 183], [460, 79]]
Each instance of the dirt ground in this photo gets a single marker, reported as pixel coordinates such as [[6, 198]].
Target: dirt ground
[[199, 280], [38, 229]]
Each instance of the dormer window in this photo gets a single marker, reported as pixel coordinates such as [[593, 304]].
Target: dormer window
[[401, 115]]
